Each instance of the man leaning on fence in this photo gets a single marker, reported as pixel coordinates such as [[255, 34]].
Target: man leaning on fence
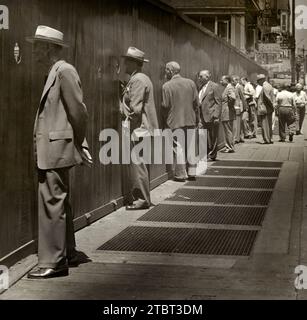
[[59, 144], [138, 108]]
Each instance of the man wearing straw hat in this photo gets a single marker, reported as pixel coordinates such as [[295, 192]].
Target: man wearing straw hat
[[59, 144], [138, 108]]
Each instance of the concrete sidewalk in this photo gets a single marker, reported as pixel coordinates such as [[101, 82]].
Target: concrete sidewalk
[[267, 273]]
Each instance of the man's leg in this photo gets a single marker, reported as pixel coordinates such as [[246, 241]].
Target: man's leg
[[139, 178], [254, 122], [237, 129], [213, 134], [228, 130], [180, 164], [291, 123], [282, 126], [55, 218], [266, 130], [301, 112], [245, 125]]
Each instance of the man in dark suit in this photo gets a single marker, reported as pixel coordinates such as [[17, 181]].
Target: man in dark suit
[[228, 113], [210, 110], [59, 144], [138, 108], [180, 101]]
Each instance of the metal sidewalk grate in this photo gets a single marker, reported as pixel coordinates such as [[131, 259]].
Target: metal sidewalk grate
[[233, 183], [249, 216], [182, 240], [232, 197], [216, 171], [260, 164]]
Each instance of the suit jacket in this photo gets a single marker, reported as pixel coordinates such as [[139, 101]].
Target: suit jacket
[[180, 99], [211, 103], [60, 124], [268, 97], [228, 103], [241, 104], [139, 99]]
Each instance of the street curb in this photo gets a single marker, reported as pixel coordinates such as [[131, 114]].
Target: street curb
[[275, 234]]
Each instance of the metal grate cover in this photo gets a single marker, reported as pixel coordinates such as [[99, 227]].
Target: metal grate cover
[[206, 214], [234, 197], [260, 164], [182, 240], [216, 171], [233, 183]]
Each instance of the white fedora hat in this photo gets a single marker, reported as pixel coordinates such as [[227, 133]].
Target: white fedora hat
[[47, 34], [134, 53], [261, 77]]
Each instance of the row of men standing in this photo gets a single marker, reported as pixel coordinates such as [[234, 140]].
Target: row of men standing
[[232, 104]]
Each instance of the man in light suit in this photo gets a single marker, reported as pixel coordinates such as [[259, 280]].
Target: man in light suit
[[241, 108], [180, 101], [228, 113], [210, 110], [138, 108], [266, 103], [59, 144]]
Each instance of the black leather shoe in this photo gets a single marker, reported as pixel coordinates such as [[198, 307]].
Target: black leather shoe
[[78, 258], [47, 273], [179, 180], [136, 207], [291, 138], [192, 178]]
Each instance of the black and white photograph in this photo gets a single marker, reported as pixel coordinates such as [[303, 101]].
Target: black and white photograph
[[153, 150]]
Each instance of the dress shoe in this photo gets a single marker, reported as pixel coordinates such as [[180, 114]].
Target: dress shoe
[[179, 180], [137, 206], [191, 178], [228, 151], [78, 258], [291, 137], [47, 273], [281, 140]]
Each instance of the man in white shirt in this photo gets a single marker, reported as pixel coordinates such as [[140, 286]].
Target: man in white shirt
[[285, 109], [250, 123], [300, 102]]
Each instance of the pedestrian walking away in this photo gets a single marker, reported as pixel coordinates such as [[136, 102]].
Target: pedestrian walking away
[[286, 111]]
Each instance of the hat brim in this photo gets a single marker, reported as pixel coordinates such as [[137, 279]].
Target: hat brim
[[48, 40], [135, 58]]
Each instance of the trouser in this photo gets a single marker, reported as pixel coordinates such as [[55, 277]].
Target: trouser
[[245, 123], [253, 120], [238, 128], [56, 238], [266, 127], [138, 180], [228, 132], [213, 134], [300, 118], [286, 117], [185, 154]]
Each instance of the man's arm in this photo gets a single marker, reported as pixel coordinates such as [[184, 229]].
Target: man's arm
[[217, 102], [137, 96], [72, 97]]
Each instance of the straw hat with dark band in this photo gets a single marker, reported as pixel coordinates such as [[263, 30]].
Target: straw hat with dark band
[[50, 35], [135, 54]]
